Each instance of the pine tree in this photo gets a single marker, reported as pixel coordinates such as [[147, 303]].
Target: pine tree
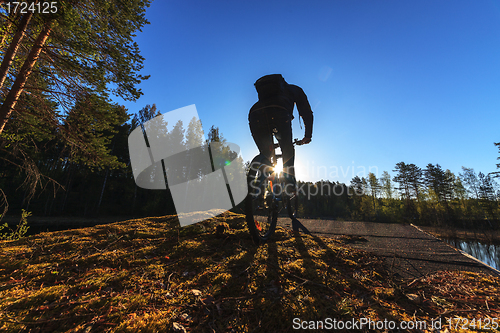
[[409, 177], [440, 181], [449, 185], [497, 174], [403, 178], [84, 46], [374, 188], [486, 191], [52, 62], [386, 185], [487, 194], [415, 179]]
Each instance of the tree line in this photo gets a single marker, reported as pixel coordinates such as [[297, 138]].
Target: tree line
[[89, 190], [415, 195], [63, 142]]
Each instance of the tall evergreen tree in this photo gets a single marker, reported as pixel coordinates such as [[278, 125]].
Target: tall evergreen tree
[[374, 188], [84, 45], [409, 177], [449, 185], [440, 181], [487, 195], [486, 191], [386, 185], [403, 178], [357, 186], [497, 173], [415, 179]]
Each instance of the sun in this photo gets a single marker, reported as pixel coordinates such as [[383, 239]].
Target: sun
[[279, 166]]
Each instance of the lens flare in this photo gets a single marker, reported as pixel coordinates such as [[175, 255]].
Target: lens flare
[[279, 167]]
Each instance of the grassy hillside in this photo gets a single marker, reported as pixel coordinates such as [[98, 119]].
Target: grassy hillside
[[148, 275]]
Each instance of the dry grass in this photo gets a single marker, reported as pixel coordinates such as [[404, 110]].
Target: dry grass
[[147, 275]]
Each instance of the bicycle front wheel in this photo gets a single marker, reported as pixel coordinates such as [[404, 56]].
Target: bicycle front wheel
[[292, 203], [260, 207]]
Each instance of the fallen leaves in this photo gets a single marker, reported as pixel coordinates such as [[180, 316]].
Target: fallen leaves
[[142, 275]]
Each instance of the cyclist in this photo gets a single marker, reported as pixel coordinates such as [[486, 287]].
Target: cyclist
[[273, 114]]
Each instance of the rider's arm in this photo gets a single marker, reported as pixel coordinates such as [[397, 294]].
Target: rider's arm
[[304, 109]]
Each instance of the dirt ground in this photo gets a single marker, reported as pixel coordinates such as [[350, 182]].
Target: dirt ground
[[407, 252], [40, 223]]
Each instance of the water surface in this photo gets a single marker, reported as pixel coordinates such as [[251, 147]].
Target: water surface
[[487, 253]]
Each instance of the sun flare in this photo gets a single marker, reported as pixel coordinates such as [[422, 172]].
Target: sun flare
[[279, 166]]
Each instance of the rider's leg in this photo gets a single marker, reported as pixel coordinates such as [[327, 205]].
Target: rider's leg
[[263, 137], [284, 137], [262, 134]]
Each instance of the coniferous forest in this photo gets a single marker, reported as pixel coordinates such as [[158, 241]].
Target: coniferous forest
[[63, 142], [63, 184], [426, 196]]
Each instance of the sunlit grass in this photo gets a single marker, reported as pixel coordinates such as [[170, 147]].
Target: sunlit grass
[[148, 275]]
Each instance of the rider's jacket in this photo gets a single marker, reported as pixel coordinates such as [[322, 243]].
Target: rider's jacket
[[292, 95]]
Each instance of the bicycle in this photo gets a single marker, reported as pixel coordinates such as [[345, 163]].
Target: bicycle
[[268, 195]]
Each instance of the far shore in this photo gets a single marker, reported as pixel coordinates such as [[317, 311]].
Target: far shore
[[485, 236], [39, 224], [69, 220]]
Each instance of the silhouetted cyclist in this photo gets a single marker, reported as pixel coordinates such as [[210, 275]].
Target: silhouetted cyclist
[[273, 114]]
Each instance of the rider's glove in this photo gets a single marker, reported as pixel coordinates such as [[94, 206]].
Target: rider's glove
[[305, 141]]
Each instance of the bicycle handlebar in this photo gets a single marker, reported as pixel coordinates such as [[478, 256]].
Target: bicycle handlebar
[[296, 142]]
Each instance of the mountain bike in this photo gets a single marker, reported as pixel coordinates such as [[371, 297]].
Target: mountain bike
[[268, 195]]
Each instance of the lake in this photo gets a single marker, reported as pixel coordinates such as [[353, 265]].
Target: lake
[[487, 253]]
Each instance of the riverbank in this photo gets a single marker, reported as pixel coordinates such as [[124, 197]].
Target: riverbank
[[484, 236], [58, 223], [39, 224]]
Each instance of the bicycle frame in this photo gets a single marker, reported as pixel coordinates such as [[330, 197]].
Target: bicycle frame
[[265, 164], [267, 198]]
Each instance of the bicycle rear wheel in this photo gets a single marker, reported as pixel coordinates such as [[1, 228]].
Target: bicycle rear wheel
[[260, 207]]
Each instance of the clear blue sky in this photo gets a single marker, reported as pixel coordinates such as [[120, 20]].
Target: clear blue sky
[[388, 81]]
